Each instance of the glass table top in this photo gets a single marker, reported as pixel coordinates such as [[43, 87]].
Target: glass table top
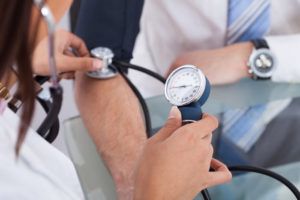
[[243, 94], [97, 182]]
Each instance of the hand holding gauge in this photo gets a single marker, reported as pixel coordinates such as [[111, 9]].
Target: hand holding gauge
[[188, 88]]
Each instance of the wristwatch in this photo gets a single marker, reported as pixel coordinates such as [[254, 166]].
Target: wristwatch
[[262, 61]]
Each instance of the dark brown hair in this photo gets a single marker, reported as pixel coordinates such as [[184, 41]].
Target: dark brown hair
[[16, 47]]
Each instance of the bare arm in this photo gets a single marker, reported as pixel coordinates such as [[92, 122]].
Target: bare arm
[[111, 114]]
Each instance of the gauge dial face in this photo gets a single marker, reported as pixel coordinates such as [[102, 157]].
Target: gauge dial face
[[185, 85]]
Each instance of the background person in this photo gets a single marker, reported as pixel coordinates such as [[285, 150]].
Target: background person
[[175, 32], [216, 36]]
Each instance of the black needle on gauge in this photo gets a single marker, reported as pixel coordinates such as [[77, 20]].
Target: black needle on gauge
[[182, 86]]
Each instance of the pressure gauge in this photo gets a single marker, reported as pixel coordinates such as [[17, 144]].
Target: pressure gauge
[[185, 85]]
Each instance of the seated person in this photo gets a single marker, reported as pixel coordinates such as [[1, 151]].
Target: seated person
[[217, 37], [185, 32]]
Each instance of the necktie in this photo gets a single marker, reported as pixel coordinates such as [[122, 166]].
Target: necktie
[[247, 20]]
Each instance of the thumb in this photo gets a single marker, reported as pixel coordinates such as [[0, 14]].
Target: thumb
[[172, 124], [70, 63]]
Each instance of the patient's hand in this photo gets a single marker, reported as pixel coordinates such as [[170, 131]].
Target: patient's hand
[[176, 161], [221, 66], [67, 62]]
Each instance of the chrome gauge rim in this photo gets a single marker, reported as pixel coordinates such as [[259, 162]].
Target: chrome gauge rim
[[190, 74]]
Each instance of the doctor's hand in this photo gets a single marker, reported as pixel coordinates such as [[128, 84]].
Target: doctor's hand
[[221, 66], [67, 62], [176, 161]]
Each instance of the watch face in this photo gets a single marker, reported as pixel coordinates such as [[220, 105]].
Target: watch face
[[185, 85], [262, 63]]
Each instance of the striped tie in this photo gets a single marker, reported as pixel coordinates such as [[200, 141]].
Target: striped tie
[[247, 20]]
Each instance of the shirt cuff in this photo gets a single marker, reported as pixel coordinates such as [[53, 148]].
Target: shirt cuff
[[286, 50]]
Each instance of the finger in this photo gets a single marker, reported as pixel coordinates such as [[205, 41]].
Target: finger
[[69, 52], [67, 75], [204, 127], [220, 175], [172, 124], [209, 155], [79, 45], [69, 63]]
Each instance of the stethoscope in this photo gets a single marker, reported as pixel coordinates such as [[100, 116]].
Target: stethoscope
[[50, 102], [186, 87]]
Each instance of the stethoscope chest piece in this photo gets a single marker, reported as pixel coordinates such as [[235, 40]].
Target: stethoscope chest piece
[[107, 71]]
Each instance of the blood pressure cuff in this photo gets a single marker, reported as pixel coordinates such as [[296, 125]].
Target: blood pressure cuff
[[110, 23]]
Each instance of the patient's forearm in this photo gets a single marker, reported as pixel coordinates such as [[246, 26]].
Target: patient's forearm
[[111, 114]]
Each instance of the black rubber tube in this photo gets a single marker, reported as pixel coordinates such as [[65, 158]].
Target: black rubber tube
[[141, 100], [268, 173]]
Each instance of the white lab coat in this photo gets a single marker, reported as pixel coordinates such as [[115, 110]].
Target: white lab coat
[[40, 171], [171, 27]]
